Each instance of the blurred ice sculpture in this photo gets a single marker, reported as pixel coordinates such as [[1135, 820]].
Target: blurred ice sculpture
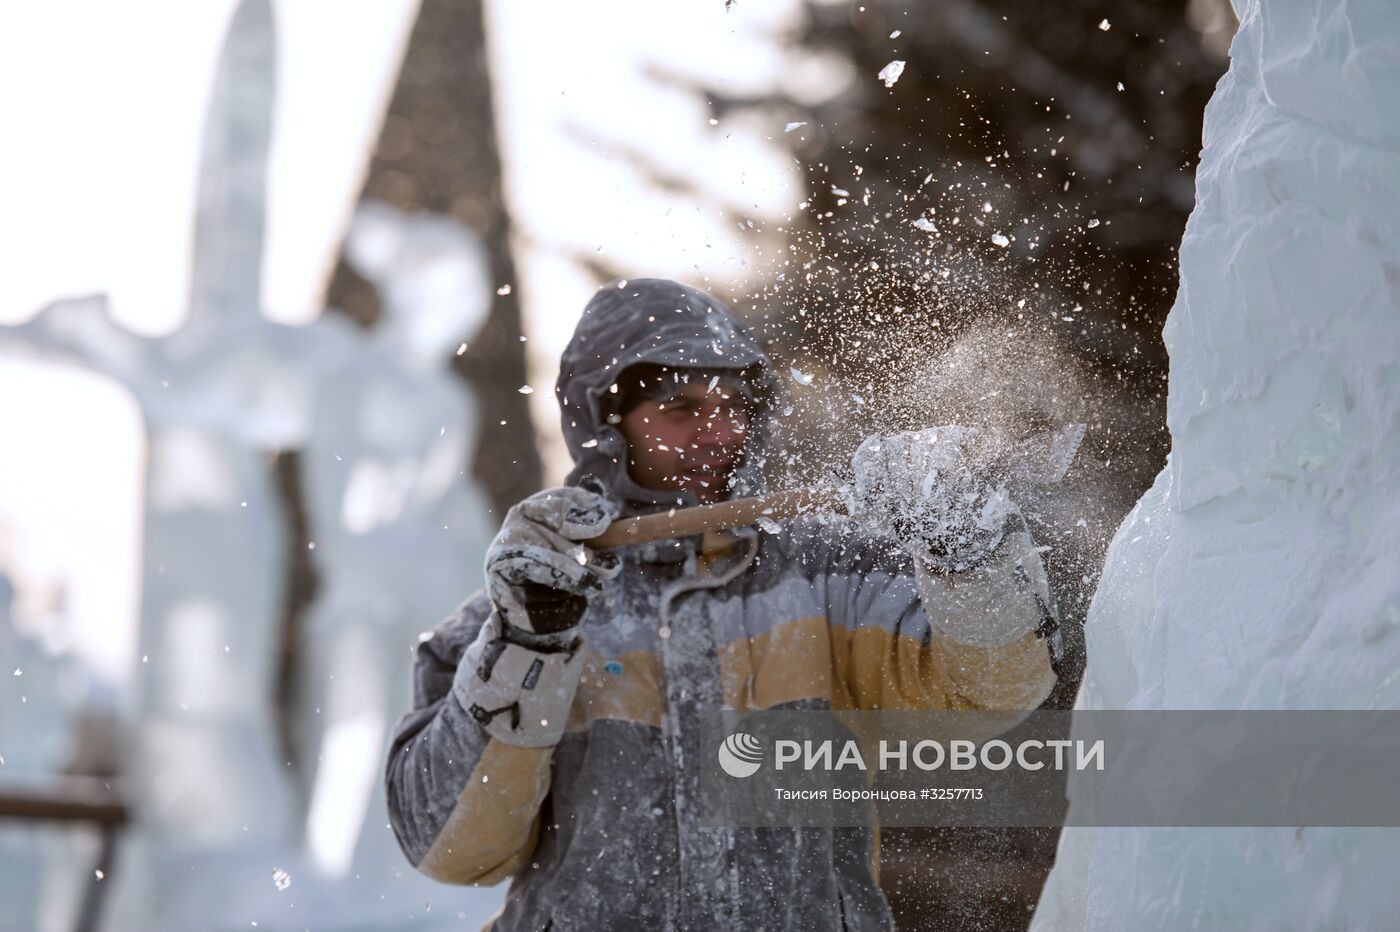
[[34, 734], [398, 529], [39, 688], [211, 793], [202, 765], [400, 534], [1259, 572]]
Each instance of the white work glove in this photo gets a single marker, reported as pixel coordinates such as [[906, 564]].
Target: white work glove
[[539, 544], [925, 489], [519, 676], [932, 493]]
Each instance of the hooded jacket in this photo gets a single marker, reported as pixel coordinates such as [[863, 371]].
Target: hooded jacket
[[599, 830]]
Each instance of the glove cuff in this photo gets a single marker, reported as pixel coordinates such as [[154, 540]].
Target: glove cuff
[[519, 686]]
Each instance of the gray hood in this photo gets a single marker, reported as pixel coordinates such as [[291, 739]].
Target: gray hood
[[652, 320]]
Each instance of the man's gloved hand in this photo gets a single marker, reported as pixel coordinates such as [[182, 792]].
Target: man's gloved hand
[[538, 574], [928, 489], [518, 677], [935, 491]]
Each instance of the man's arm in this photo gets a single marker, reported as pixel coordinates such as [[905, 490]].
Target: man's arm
[[954, 627], [906, 636], [469, 768], [463, 803]]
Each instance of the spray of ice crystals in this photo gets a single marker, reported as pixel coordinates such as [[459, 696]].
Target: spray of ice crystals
[[905, 306]]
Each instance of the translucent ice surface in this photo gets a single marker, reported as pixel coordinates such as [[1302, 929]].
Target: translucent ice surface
[[1260, 570]]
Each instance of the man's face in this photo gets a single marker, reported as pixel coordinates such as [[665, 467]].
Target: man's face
[[694, 441]]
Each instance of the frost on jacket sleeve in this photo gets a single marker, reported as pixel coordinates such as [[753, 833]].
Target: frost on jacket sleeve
[[907, 637], [464, 794]]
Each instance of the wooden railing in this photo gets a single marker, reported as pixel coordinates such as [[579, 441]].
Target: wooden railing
[[68, 800]]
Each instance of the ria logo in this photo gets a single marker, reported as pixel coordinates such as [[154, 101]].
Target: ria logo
[[741, 755]]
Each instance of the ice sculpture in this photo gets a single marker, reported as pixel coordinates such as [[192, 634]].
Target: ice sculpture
[[36, 730], [203, 766], [387, 434], [1260, 570], [401, 537], [21, 854]]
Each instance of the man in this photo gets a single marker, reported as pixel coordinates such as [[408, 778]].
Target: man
[[548, 741]]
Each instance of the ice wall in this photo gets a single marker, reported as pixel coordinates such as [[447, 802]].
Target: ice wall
[[1261, 569]]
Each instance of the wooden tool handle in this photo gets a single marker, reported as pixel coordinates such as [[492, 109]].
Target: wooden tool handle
[[740, 512]]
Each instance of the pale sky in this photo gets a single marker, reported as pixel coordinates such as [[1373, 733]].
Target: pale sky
[[113, 114]]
